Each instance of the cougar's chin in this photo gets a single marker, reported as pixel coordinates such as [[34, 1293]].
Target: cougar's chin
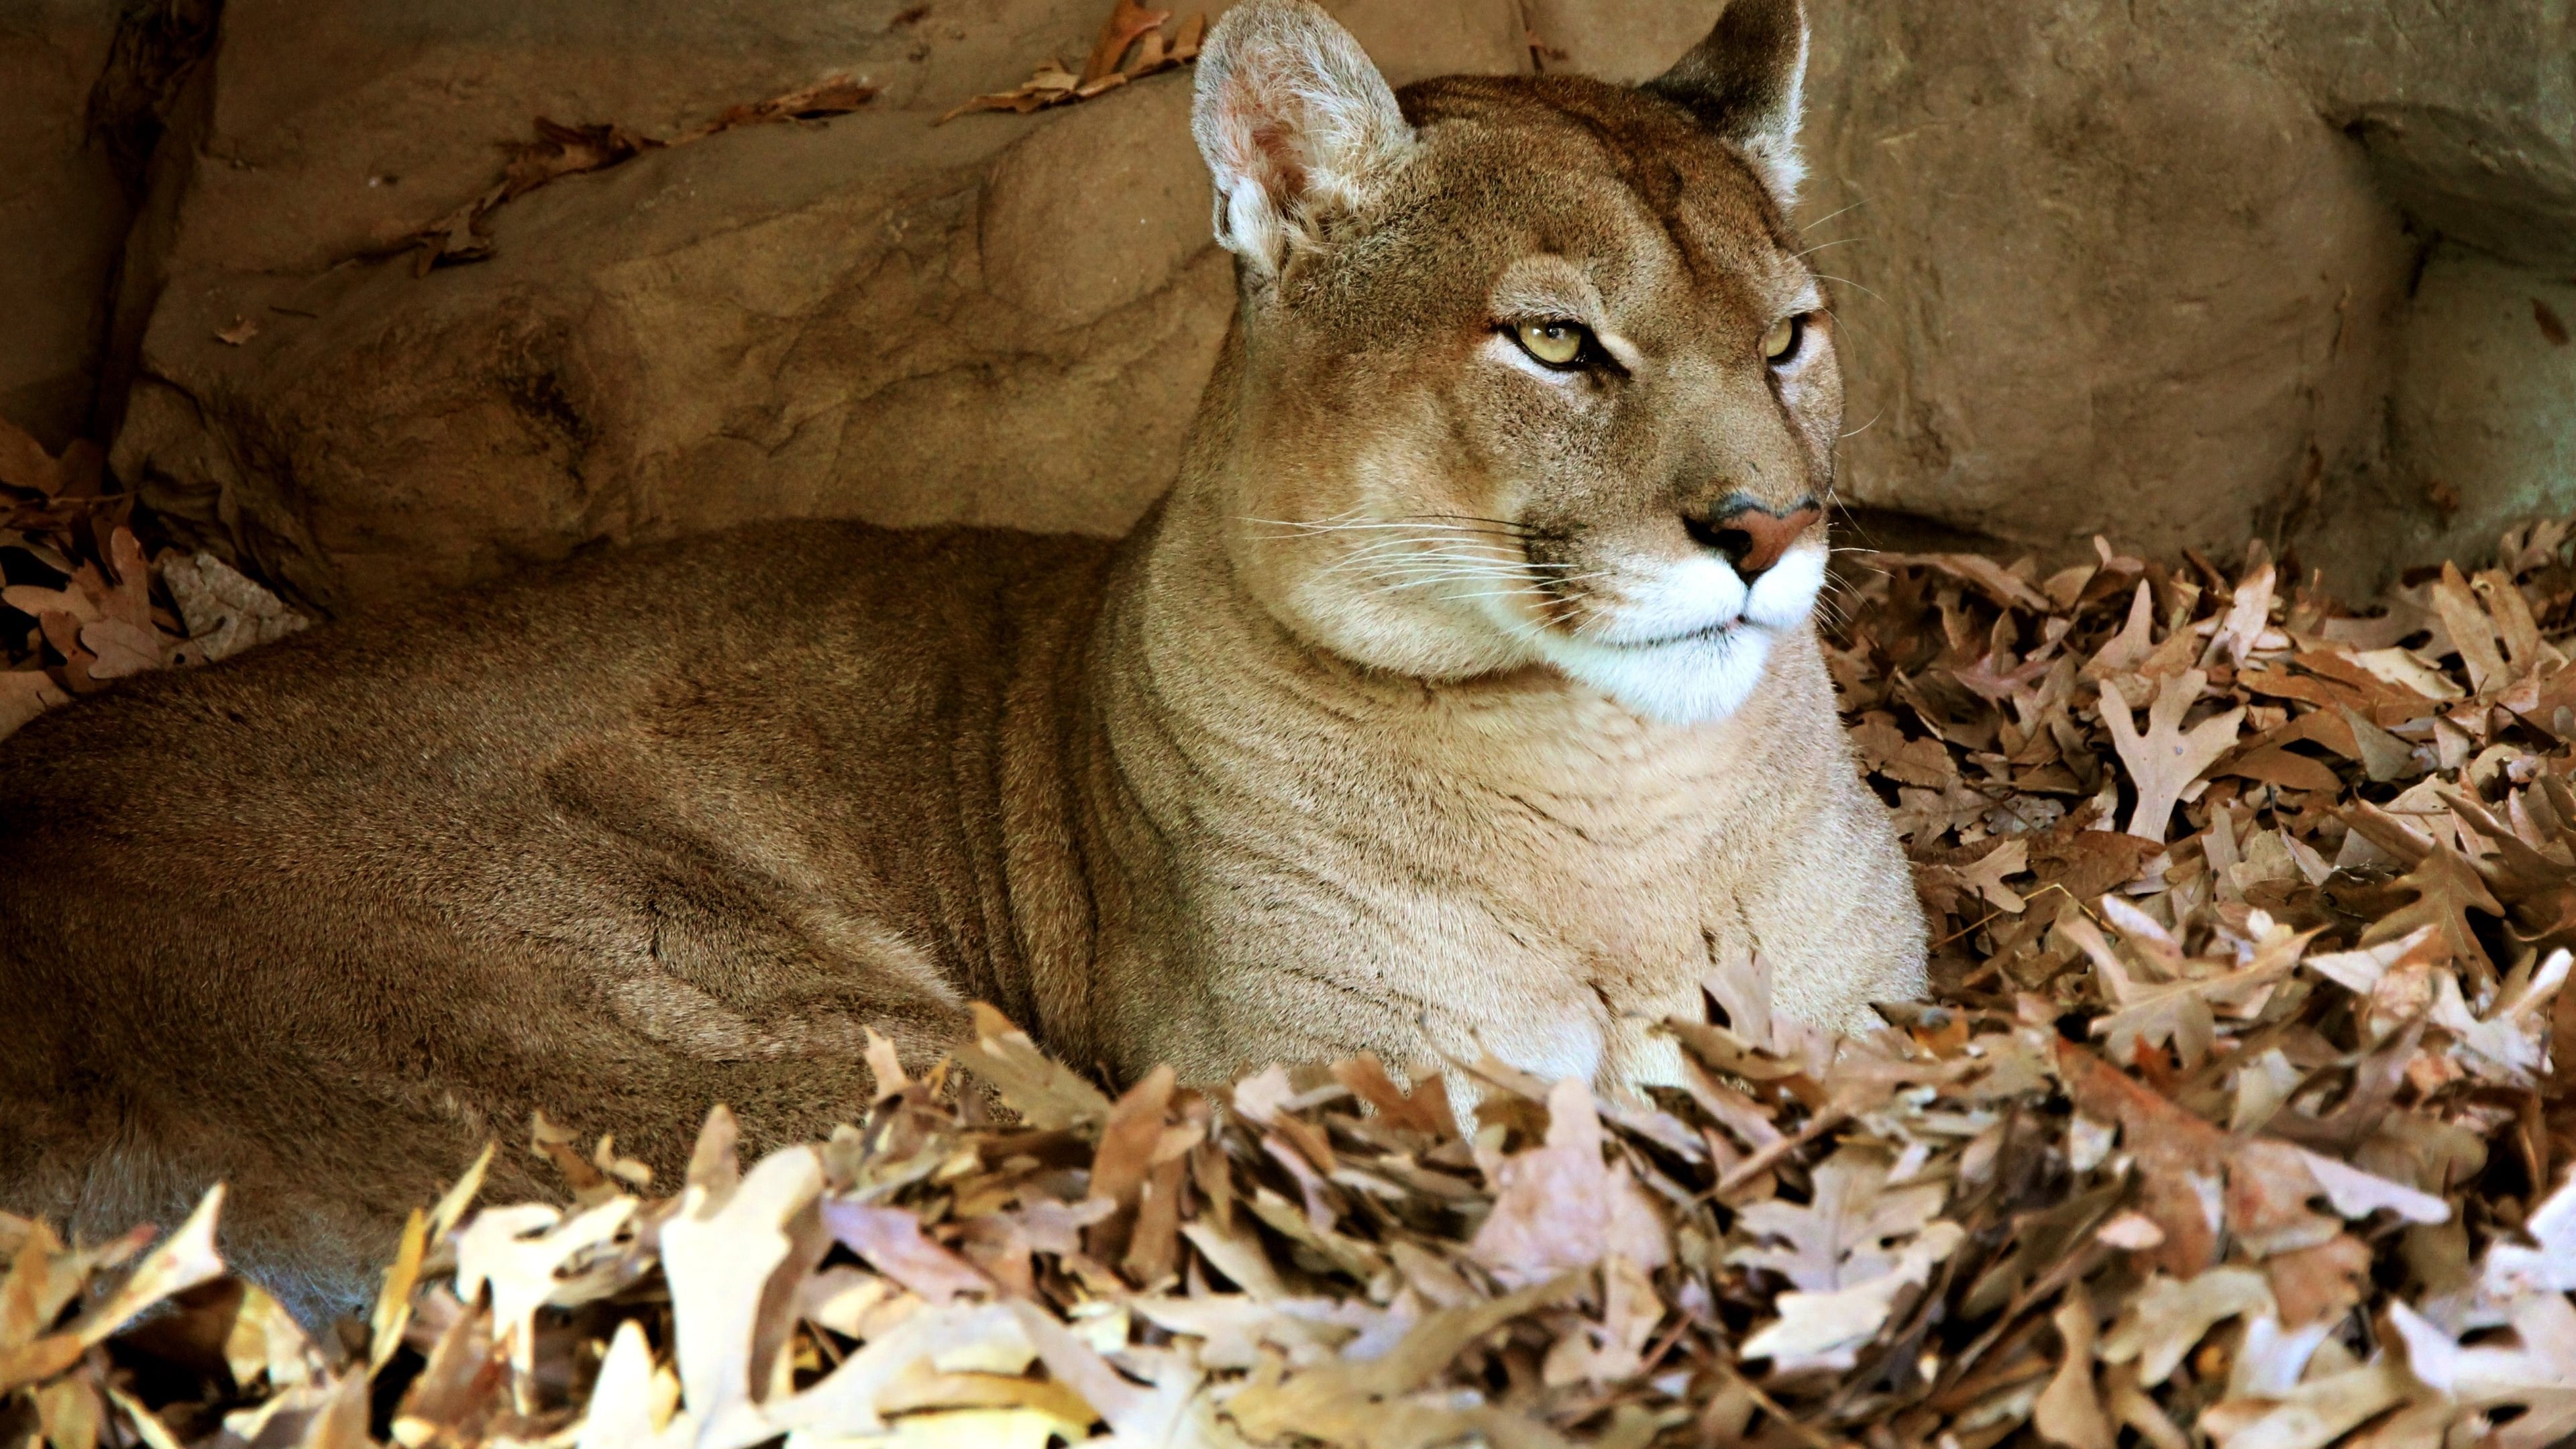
[[1691, 680], [1689, 644]]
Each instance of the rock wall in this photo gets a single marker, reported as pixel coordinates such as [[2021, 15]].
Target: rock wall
[[2181, 272], [63, 214]]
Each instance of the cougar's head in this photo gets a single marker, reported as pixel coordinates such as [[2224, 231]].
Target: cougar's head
[[1527, 371]]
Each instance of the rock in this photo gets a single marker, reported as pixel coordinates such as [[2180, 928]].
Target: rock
[[341, 129], [2484, 428], [2468, 115], [771, 323], [1620, 40], [1003, 320], [1412, 41], [63, 215], [2100, 276], [2468, 112]]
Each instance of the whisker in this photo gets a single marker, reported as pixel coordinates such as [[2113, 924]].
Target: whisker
[[1401, 556], [1444, 551], [1369, 526], [1509, 525], [1828, 216], [1413, 523], [1480, 594], [1848, 282], [1423, 548], [1462, 569], [1413, 561]]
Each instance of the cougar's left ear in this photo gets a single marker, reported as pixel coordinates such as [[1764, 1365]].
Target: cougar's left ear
[[1744, 83], [1295, 123]]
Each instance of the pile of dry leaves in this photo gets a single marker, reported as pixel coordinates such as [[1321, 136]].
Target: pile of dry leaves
[[79, 605], [2234, 1124]]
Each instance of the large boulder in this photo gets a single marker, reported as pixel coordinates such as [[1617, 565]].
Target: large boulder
[[63, 214], [778, 322], [2467, 111], [2101, 274], [1000, 320], [2468, 115]]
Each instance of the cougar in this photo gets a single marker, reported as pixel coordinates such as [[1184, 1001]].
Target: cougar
[[1462, 696]]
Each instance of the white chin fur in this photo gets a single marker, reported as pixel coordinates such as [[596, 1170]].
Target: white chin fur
[[1690, 645], [1692, 681]]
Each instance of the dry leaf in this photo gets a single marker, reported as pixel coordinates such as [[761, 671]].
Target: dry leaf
[[25, 694], [892, 1242], [1043, 1093], [1847, 1234], [2169, 1317], [1557, 1206], [1131, 45], [2311, 1415], [1827, 1330], [2069, 1411], [1891, 1224], [225, 612], [2537, 1375], [2165, 760]]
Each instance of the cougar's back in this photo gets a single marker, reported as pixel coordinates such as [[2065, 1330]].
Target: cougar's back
[[324, 919]]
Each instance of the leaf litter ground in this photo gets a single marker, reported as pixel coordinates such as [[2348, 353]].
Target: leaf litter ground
[[2233, 1121]]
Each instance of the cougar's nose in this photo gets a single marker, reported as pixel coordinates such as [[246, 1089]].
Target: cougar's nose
[[1751, 536]]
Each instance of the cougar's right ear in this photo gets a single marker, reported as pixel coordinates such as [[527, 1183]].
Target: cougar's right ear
[[1295, 123]]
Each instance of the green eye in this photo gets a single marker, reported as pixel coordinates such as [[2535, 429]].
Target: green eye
[[1781, 342], [1558, 344]]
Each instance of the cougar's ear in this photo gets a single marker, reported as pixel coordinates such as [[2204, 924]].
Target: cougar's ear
[[1743, 82], [1296, 125]]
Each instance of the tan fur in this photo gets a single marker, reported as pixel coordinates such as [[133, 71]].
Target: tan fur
[[671, 827]]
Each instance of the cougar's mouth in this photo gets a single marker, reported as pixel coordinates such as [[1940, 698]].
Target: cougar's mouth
[[1687, 642], [1708, 633]]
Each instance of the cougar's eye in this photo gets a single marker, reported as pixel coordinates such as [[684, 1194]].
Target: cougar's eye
[[1781, 342], [1557, 344]]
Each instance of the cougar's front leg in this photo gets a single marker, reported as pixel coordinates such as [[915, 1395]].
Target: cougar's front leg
[[1832, 909]]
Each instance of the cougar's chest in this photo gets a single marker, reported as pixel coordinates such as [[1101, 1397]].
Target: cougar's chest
[[1575, 883]]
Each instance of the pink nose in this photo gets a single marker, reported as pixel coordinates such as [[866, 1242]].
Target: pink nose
[[1753, 537]]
